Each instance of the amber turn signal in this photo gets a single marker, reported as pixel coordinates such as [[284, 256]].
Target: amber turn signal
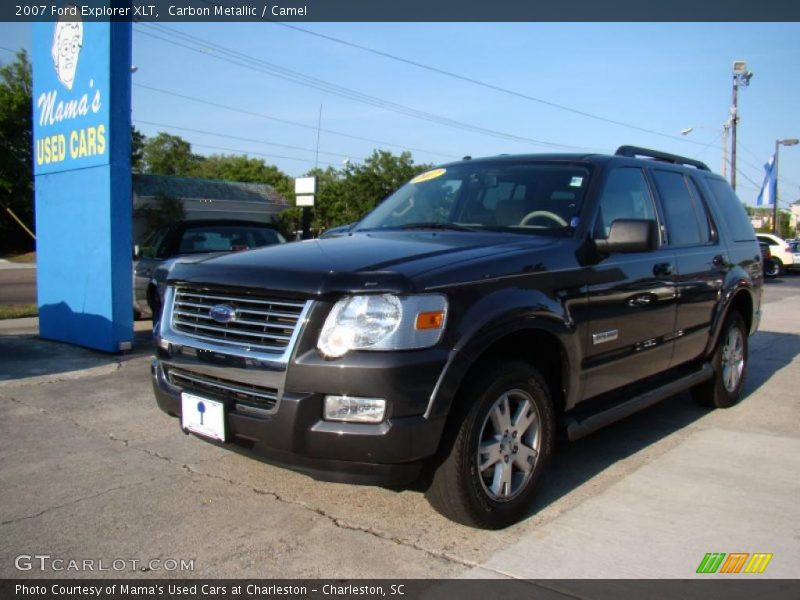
[[430, 320]]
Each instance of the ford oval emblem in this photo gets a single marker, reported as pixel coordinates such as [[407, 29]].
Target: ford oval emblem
[[222, 313]]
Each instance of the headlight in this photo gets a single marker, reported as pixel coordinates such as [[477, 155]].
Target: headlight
[[383, 322]]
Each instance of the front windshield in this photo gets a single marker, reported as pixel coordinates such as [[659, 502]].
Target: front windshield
[[519, 197]]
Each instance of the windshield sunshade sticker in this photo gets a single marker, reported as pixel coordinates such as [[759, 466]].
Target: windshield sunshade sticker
[[428, 175]]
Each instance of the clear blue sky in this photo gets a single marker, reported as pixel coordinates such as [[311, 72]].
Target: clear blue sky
[[663, 77]]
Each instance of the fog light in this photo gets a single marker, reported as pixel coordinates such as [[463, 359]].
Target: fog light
[[355, 410]]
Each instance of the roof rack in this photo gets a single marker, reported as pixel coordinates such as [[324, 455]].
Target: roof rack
[[634, 151]]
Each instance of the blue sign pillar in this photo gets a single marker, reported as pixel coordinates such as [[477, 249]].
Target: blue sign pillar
[[81, 138]]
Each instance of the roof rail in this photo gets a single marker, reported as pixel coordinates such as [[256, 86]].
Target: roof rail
[[634, 151]]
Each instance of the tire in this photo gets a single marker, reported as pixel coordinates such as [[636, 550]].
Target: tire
[[729, 362], [492, 417], [773, 268]]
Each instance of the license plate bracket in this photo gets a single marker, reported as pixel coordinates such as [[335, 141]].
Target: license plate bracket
[[203, 416]]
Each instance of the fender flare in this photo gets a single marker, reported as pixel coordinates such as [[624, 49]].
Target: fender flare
[[471, 347]]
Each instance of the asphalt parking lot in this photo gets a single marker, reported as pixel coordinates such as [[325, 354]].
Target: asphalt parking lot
[[91, 470]]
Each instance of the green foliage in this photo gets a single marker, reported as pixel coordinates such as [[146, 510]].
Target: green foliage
[[240, 168], [137, 149], [785, 229], [16, 151], [346, 195], [165, 211], [167, 154], [18, 311]]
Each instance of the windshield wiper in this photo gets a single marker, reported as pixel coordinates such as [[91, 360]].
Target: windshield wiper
[[435, 225]]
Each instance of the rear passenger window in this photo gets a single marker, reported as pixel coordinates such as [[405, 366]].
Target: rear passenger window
[[707, 230], [625, 196], [731, 209], [684, 220]]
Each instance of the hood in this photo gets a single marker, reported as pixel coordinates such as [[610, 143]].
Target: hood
[[367, 261]]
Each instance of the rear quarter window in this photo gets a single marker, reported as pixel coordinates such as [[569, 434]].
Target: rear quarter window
[[731, 209]]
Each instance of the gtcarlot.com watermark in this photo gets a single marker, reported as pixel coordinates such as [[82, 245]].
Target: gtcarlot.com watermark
[[46, 562]]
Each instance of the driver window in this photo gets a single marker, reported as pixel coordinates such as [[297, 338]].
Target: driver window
[[625, 196]]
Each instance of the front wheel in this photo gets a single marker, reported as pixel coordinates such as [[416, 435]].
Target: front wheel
[[729, 362], [498, 447]]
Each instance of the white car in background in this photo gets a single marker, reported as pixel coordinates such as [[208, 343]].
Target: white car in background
[[780, 250], [795, 246]]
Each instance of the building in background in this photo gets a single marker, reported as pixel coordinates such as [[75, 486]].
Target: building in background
[[157, 195], [795, 218]]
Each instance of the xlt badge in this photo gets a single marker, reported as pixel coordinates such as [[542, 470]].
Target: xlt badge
[[605, 336]]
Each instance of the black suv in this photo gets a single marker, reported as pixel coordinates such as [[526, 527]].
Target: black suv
[[451, 331]]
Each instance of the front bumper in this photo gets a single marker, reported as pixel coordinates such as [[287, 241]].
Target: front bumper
[[296, 436]]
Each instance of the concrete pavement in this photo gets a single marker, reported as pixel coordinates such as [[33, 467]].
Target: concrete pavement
[[89, 468]]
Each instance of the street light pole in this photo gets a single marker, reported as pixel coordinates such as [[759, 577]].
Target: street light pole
[[741, 76], [778, 144]]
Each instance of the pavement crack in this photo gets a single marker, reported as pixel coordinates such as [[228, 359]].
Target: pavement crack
[[344, 524], [74, 501]]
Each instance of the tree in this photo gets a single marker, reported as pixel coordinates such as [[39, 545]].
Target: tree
[[167, 154], [241, 168], [138, 140], [16, 151], [345, 195]]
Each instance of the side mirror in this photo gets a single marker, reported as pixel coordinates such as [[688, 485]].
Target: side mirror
[[137, 252], [628, 235]]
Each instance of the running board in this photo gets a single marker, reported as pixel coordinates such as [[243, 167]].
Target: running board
[[578, 428]]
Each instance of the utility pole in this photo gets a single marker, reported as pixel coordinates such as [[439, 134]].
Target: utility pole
[[726, 127], [741, 76], [307, 207]]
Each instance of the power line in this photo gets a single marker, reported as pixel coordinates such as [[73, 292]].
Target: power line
[[250, 62], [248, 152], [707, 146], [10, 50], [235, 137], [287, 122], [484, 84]]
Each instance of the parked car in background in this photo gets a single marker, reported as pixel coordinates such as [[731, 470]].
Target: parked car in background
[[780, 251], [190, 241], [795, 247]]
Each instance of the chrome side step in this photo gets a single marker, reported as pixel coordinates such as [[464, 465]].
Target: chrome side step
[[580, 427]]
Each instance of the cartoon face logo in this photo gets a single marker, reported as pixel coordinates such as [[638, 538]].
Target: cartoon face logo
[[67, 41]]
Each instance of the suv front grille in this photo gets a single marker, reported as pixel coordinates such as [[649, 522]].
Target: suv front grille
[[260, 323], [254, 395]]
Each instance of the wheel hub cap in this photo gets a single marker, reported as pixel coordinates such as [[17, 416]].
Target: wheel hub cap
[[732, 359], [509, 445]]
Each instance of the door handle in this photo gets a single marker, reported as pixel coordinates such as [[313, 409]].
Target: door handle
[[661, 269]]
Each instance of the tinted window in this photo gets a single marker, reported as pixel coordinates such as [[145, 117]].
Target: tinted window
[[625, 196], [226, 238], [153, 245], [680, 213], [498, 195], [706, 229], [732, 211]]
